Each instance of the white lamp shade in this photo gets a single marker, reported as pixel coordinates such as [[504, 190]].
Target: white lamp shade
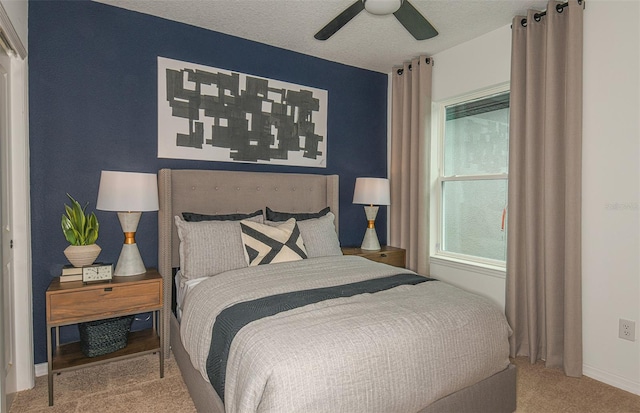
[[127, 191], [371, 191], [382, 7]]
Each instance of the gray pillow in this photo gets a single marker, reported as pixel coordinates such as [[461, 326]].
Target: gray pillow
[[319, 236], [210, 247]]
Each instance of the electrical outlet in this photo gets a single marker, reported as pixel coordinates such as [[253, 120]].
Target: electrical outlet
[[627, 330]]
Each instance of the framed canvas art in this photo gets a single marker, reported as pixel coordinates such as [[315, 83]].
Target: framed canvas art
[[207, 113]]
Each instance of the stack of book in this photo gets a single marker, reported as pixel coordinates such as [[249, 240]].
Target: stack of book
[[71, 273]]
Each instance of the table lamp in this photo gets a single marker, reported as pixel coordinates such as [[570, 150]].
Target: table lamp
[[128, 193], [371, 191]]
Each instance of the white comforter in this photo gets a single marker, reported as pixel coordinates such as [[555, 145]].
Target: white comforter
[[393, 351]]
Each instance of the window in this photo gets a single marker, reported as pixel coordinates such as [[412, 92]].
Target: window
[[472, 178]]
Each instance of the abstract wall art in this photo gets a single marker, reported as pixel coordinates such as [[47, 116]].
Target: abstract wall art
[[207, 113]]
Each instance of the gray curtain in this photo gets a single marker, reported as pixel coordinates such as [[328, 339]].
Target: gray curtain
[[544, 297], [410, 160]]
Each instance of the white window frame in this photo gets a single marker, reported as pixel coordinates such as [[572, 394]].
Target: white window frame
[[438, 131]]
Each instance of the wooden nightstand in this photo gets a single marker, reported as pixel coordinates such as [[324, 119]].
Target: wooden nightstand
[[387, 255], [75, 302]]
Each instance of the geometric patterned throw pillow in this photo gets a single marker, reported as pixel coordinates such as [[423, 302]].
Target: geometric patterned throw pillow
[[265, 244]]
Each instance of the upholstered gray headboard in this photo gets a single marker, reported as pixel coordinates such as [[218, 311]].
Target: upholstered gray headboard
[[224, 192]]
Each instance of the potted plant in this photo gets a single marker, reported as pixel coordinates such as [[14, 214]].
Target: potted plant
[[81, 231]]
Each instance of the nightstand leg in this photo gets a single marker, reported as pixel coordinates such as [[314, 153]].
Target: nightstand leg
[[50, 389], [160, 332], [161, 364], [49, 364]]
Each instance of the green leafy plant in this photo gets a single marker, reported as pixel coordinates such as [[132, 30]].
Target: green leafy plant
[[78, 227]]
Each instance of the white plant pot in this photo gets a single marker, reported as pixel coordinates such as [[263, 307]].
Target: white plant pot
[[81, 255]]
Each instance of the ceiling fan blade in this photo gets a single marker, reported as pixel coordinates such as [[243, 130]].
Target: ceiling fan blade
[[342, 19], [414, 22]]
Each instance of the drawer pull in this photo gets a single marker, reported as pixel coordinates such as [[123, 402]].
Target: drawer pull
[[109, 289], [383, 255]]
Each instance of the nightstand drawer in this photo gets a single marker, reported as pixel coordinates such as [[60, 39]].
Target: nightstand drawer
[[395, 258], [102, 300], [386, 255]]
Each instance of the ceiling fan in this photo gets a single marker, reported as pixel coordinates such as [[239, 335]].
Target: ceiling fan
[[406, 14]]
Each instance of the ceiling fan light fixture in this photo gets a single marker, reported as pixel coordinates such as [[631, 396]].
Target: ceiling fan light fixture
[[404, 12], [382, 7]]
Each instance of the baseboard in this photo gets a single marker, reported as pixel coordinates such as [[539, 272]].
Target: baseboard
[[41, 369], [611, 379]]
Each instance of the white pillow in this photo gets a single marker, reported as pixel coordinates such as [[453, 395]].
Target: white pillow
[[267, 244], [210, 247]]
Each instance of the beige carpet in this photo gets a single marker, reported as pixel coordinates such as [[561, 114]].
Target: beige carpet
[[542, 390], [134, 386]]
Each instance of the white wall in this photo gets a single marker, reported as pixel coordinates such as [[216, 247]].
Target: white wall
[[477, 64], [611, 191], [611, 177]]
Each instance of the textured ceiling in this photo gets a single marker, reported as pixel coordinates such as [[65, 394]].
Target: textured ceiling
[[371, 42]]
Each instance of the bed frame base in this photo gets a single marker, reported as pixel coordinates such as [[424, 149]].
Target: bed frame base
[[202, 393], [496, 394]]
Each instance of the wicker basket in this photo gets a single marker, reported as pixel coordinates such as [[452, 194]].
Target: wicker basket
[[104, 336]]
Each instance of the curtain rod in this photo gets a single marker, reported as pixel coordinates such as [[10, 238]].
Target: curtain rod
[[538, 16], [428, 60]]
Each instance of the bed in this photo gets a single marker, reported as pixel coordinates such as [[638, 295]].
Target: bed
[[343, 374]]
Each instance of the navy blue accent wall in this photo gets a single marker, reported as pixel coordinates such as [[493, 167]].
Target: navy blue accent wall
[[93, 107]]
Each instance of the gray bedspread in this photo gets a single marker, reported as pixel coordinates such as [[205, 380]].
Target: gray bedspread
[[233, 319], [393, 351]]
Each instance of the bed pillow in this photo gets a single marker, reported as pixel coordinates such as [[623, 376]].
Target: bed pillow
[[320, 237], [210, 247], [267, 244], [276, 216], [194, 217]]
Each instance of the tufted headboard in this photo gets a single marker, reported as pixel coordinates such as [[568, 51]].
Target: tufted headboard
[[225, 192]]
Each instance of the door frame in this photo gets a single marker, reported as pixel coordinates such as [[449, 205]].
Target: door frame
[[20, 199], [21, 223], [7, 343]]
